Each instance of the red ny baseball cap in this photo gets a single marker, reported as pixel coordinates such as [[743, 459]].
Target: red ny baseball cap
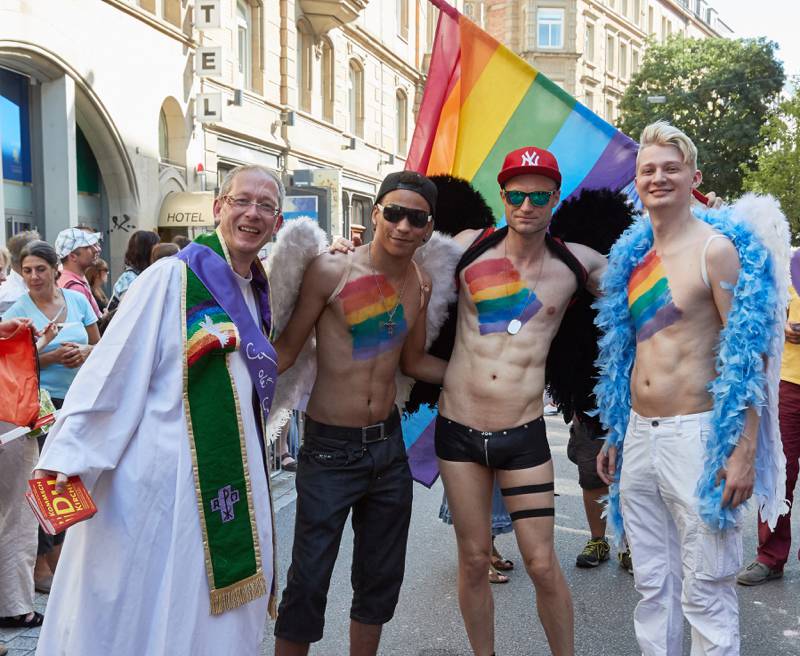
[[529, 160]]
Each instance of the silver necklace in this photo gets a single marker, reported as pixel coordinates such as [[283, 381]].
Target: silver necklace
[[390, 324], [515, 325]]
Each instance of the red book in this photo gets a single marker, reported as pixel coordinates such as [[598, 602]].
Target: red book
[[57, 512]]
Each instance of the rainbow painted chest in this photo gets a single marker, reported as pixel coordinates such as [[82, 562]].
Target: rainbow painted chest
[[500, 295], [375, 325], [650, 298]]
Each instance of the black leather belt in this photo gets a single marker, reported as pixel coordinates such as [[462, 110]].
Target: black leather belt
[[364, 434]]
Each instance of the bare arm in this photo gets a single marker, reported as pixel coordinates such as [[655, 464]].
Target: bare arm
[[414, 361], [319, 281], [595, 264], [739, 473]]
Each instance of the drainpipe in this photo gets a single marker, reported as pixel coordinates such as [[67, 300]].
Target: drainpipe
[[284, 92]]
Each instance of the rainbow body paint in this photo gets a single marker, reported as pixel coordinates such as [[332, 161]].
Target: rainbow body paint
[[499, 295], [367, 313], [650, 298]]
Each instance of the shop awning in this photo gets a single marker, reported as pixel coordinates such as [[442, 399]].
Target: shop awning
[[187, 209]]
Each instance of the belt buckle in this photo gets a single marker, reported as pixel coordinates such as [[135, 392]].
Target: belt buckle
[[365, 432]]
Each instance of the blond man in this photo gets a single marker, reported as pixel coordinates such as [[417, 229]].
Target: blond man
[[688, 462]]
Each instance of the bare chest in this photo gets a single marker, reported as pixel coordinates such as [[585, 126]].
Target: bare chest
[[500, 297]]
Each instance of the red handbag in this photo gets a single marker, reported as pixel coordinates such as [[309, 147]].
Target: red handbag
[[19, 378]]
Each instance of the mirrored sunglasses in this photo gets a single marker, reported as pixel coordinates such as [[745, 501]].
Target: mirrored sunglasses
[[396, 213], [537, 198]]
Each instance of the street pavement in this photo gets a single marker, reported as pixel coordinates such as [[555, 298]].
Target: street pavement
[[427, 621]]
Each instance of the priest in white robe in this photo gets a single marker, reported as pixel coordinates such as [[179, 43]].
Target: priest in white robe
[[139, 577]]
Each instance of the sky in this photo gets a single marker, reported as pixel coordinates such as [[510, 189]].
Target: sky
[[778, 20]]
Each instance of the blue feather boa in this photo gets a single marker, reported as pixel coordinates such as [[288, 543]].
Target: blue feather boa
[[741, 380]]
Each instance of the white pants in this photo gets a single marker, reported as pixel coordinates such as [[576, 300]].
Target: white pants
[[679, 563]]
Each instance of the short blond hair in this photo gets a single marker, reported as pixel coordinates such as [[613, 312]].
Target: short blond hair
[[662, 133]]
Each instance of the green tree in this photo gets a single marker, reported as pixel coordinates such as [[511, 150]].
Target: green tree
[[778, 161], [718, 91]]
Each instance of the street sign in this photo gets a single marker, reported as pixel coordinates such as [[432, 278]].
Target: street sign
[[208, 107], [208, 61], [207, 14]]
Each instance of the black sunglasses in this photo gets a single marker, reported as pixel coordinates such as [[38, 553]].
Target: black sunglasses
[[395, 214], [537, 198]]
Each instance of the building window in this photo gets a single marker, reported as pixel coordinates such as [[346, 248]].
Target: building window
[[163, 137], [305, 59], [610, 53], [355, 99], [663, 29], [328, 77], [588, 42], [637, 11], [650, 21], [171, 11], [634, 62], [244, 30], [402, 122], [402, 18], [623, 9], [590, 100], [433, 20], [609, 111], [550, 28], [623, 60]]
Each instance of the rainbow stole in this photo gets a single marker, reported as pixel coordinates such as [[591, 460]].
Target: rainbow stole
[[216, 436], [650, 299], [499, 295], [367, 313]]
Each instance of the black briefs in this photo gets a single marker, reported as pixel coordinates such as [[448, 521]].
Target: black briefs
[[513, 448]]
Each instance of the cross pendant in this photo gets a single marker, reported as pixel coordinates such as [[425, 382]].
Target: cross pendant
[[389, 325]]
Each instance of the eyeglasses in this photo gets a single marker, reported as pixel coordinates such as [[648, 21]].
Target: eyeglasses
[[395, 214], [537, 198], [244, 204]]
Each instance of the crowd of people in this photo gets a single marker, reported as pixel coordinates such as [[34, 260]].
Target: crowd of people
[[60, 290], [164, 416]]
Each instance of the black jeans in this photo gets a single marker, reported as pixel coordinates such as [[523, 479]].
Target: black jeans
[[333, 477]]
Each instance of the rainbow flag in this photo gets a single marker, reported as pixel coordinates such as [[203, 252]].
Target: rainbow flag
[[482, 101]]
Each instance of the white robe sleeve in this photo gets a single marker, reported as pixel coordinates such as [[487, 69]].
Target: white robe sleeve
[[119, 381]]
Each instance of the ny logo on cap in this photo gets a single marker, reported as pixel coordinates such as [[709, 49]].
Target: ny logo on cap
[[530, 159]]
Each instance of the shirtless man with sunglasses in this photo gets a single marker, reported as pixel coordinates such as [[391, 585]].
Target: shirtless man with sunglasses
[[512, 295], [367, 307]]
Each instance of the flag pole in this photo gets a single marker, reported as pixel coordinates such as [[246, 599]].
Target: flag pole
[[446, 7]]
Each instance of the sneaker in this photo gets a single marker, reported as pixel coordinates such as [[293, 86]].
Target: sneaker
[[625, 560], [757, 573], [594, 553]]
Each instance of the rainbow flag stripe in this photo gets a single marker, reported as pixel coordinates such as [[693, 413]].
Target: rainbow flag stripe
[[367, 313], [482, 101], [208, 329], [650, 299], [499, 295]]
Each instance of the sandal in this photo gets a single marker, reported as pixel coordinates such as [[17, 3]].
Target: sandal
[[500, 563], [497, 577], [19, 622], [288, 463]]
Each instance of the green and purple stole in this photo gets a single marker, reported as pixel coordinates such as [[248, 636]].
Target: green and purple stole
[[217, 322]]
